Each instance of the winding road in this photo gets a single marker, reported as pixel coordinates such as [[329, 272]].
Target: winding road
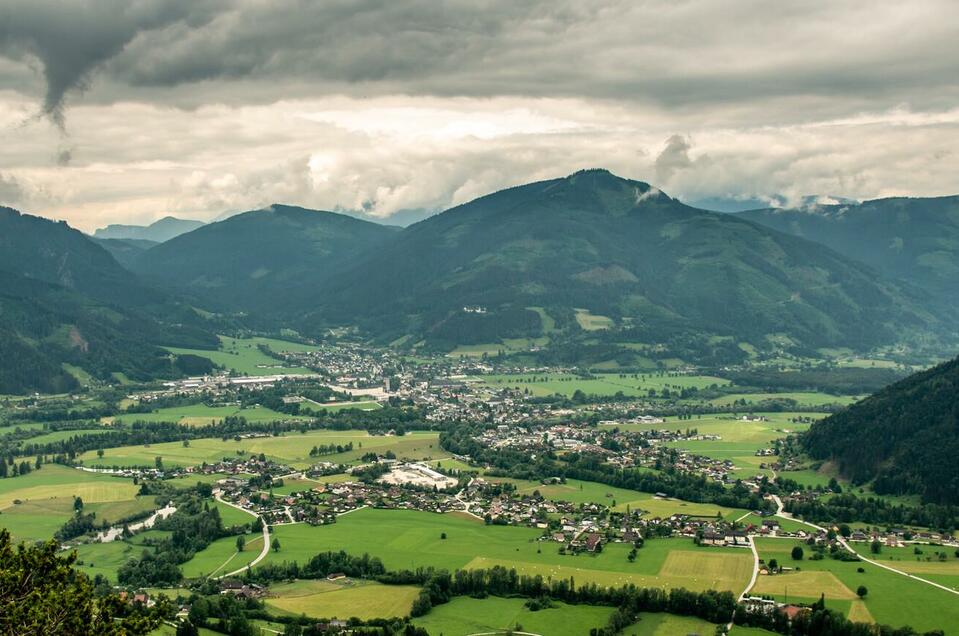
[[266, 541]]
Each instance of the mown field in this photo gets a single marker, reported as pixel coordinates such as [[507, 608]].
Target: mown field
[[543, 384], [45, 499], [244, 356], [892, 599], [221, 557], [342, 599], [408, 539], [464, 615], [292, 449]]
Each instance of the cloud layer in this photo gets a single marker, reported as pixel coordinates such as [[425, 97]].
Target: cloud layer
[[159, 106]]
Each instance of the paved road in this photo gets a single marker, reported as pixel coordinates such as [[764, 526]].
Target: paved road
[[266, 542], [845, 544]]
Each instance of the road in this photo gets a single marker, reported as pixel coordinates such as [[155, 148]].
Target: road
[[266, 542], [842, 541]]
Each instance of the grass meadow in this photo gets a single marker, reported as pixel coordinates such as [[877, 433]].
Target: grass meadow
[[342, 599], [243, 355], [464, 615], [408, 539], [892, 599], [292, 449]]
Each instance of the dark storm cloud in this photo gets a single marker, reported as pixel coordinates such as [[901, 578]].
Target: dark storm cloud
[[69, 40], [681, 54]]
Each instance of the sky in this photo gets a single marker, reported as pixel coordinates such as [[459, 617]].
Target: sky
[[126, 111]]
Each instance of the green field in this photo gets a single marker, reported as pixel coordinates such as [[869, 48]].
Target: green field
[[593, 322], [892, 599], [464, 615], [46, 499], [342, 599], [292, 449], [221, 557], [233, 517], [801, 398], [203, 415], [408, 539], [600, 384], [577, 491], [740, 439], [668, 625], [244, 356], [57, 436]]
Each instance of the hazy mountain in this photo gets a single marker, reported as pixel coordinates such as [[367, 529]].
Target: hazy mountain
[[910, 239], [905, 437], [261, 260], [617, 248], [125, 251], [736, 204], [159, 231]]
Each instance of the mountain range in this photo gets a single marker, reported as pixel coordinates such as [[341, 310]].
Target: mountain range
[[159, 231], [588, 260], [909, 239]]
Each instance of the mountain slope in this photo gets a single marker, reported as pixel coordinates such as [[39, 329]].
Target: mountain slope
[[910, 239], [260, 260], [620, 249], [56, 253], [125, 251], [65, 301], [159, 231], [906, 437]]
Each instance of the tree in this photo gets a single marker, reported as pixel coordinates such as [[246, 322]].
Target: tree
[[186, 628], [77, 504], [275, 544], [861, 591], [797, 553], [773, 565], [100, 453], [442, 535], [240, 543], [875, 547], [158, 461], [62, 600]]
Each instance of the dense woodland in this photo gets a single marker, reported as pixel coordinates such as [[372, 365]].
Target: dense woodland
[[905, 439]]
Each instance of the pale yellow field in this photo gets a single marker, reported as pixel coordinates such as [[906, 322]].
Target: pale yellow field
[[701, 570], [859, 613], [808, 584], [89, 492], [323, 599]]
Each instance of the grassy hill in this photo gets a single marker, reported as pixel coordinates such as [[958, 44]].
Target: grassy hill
[[910, 239], [905, 437], [262, 260], [599, 252]]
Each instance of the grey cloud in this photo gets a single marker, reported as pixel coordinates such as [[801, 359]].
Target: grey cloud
[[674, 157], [10, 190], [70, 40], [678, 54]]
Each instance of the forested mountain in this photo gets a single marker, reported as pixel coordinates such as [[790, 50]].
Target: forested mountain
[[617, 248], [905, 437], [159, 231], [909, 239], [125, 251], [65, 300], [56, 253], [262, 260]]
